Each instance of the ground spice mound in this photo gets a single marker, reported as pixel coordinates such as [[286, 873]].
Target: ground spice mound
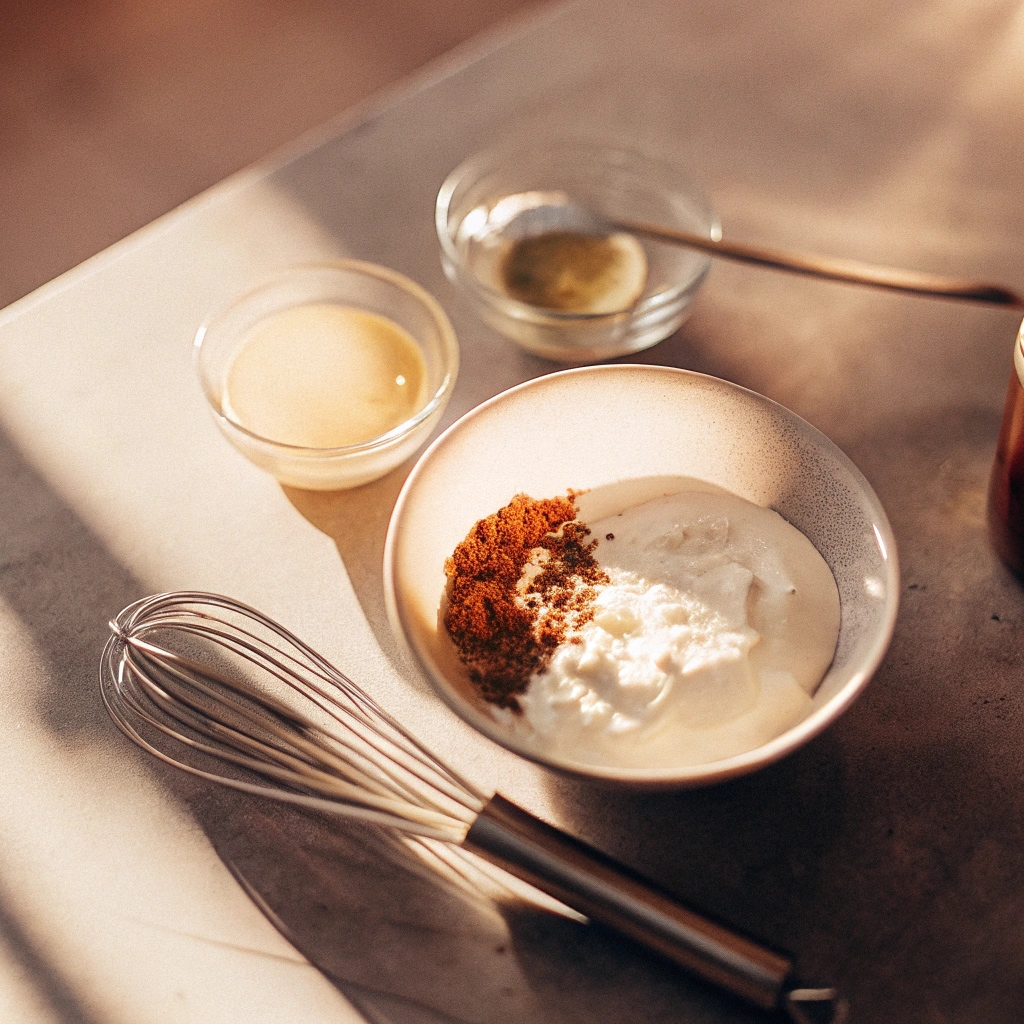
[[520, 583]]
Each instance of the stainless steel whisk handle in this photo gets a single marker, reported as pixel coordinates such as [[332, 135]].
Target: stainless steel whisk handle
[[605, 891]]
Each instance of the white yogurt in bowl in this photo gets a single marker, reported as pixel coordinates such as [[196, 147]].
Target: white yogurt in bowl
[[700, 625]]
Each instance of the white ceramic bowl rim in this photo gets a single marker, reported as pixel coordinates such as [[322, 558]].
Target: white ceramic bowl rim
[[446, 333], [491, 158], [699, 774]]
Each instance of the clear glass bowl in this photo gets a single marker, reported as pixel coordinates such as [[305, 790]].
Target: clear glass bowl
[[473, 225], [353, 284]]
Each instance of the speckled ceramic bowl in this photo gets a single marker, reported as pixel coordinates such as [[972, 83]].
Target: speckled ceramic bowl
[[593, 428]]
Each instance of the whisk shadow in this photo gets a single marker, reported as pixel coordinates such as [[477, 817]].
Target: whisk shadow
[[404, 943], [382, 924]]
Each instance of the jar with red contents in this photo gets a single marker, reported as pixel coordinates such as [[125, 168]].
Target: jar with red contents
[[1006, 487]]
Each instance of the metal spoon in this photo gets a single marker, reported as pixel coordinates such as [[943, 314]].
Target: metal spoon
[[534, 213]]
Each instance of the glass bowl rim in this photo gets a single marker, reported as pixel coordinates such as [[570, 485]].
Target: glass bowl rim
[[492, 158], [449, 350]]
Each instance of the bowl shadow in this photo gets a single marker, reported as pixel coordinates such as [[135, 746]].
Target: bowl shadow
[[356, 520]]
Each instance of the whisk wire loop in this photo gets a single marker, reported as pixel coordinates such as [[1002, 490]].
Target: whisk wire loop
[[355, 751], [413, 756], [293, 745], [124, 723], [266, 722], [285, 755]]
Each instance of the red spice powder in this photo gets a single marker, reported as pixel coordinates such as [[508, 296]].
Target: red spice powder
[[504, 631]]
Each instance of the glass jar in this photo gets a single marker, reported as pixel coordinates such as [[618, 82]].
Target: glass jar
[[1006, 487]]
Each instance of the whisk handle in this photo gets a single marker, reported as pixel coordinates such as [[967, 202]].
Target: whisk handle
[[594, 884]]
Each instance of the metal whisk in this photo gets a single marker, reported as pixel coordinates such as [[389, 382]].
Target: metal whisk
[[219, 690]]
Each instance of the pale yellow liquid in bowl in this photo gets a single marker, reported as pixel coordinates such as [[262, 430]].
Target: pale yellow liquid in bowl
[[324, 375]]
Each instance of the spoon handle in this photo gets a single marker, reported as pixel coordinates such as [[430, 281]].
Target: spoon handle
[[833, 269]]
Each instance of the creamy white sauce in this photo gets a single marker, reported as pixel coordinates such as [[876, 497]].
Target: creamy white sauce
[[717, 626], [322, 375]]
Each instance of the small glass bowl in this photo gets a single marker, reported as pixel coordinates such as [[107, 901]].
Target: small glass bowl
[[482, 197], [353, 284]]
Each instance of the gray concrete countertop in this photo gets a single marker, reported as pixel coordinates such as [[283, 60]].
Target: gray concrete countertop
[[887, 855]]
